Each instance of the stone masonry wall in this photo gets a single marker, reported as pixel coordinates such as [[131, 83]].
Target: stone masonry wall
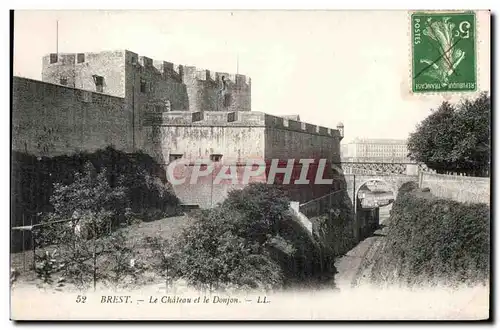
[[50, 120], [238, 137], [210, 133], [292, 139]]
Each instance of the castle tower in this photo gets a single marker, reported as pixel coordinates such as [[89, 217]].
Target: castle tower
[[151, 83], [102, 72]]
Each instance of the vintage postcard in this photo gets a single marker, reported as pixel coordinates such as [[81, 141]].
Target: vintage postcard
[[250, 165]]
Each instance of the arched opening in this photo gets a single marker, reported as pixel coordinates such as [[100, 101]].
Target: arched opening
[[373, 202], [375, 193]]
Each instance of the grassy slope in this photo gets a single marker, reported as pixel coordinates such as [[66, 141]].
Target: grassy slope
[[164, 228]]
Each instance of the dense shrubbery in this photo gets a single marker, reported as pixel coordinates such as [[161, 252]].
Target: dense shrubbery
[[248, 242], [89, 201], [213, 253], [335, 228], [34, 178], [88, 249], [408, 187], [261, 206], [434, 241], [136, 175], [93, 194]]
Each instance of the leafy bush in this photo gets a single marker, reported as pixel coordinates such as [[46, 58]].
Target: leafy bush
[[47, 265], [84, 262], [88, 247], [120, 266], [149, 196], [90, 201], [228, 245], [261, 206], [408, 187], [213, 255], [164, 258], [248, 241], [138, 176], [434, 241]]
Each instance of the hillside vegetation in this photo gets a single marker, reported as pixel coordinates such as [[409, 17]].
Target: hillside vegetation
[[432, 241]]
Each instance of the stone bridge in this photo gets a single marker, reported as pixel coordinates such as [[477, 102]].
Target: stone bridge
[[407, 168], [394, 181], [393, 175], [363, 220]]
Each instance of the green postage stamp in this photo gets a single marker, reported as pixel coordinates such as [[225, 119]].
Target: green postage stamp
[[443, 52]]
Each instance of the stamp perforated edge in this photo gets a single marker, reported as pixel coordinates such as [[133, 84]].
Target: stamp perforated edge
[[476, 50]]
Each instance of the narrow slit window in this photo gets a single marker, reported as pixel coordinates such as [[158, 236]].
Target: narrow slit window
[[99, 83], [143, 86]]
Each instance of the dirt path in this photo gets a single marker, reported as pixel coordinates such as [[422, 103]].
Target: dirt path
[[355, 266]]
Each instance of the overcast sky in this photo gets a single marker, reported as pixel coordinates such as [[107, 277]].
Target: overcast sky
[[326, 66]]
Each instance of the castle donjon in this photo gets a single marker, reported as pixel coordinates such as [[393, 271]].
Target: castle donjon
[[88, 101]]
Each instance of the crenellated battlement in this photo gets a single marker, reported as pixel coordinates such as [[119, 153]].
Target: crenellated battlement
[[188, 73], [166, 69], [187, 87], [234, 118]]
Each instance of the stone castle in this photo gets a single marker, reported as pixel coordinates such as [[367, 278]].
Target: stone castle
[[88, 101]]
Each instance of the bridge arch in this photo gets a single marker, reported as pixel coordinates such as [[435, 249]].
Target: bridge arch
[[391, 187], [355, 181]]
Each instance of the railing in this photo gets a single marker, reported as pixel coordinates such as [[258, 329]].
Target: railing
[[319, 205], [31, 229]]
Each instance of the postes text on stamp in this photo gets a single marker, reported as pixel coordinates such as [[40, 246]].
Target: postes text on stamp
[[443, 52]]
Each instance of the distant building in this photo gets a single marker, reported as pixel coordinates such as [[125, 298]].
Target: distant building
[[375, 150]]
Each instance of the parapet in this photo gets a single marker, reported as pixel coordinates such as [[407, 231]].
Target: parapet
[[187, 72], [234, 118], [206, 118], [77, 58], [299, 126], [167, 69]]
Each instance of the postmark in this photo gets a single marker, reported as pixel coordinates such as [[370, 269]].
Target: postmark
[[443, 50]]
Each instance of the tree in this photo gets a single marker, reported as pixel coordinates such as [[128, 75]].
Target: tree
[[262, 207], [92, 207], [455, 138], [214, 256]]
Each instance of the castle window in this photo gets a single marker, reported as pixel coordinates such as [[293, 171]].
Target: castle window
[[80, 58], [53, 58], [63, 81], [174, 157], [99, 83], [216, 157], [143, 86]]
